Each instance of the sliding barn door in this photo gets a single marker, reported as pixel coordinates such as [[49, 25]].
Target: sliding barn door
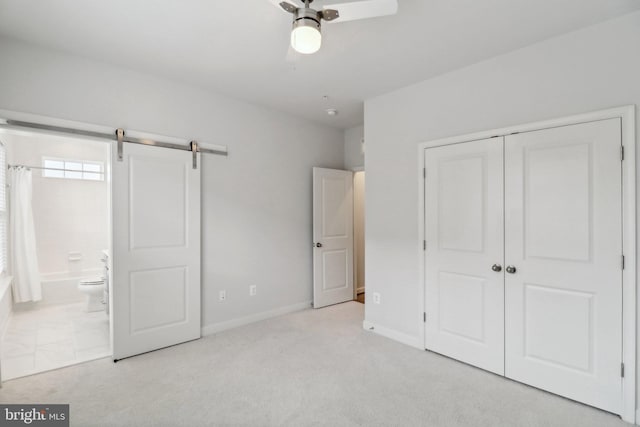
[[332, 236], [156, 249], [464, 250], [563, 293]]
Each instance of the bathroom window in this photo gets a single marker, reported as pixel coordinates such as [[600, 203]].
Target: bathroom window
[[72, 169]]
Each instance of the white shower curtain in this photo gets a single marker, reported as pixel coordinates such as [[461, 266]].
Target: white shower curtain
[[23, 260]]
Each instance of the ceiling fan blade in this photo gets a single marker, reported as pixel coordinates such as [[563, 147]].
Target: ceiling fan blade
[[363, 9], [287, 6]]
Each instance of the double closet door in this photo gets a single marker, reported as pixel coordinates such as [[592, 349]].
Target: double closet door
[[523, 259]]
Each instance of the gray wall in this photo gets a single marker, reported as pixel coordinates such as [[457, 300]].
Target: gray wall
[[354, 148], [256, 204], [591, 69]]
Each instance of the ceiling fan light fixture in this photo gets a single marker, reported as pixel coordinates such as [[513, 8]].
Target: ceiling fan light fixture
[[305, 35]]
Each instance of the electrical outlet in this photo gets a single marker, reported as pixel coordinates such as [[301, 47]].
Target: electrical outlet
[[376, 298], [222, 296], [252, 290]]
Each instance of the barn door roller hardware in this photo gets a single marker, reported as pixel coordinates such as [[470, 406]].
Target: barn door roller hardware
[[120, 139], [193, 146], [194, 150]]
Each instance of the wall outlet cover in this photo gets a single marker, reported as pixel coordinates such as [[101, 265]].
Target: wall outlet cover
[[252, 290], [376, 298]]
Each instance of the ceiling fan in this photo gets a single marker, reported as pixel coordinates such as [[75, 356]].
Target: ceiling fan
[[306, 37]]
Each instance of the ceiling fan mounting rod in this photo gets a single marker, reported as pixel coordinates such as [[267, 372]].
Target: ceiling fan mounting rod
[[308, 14]]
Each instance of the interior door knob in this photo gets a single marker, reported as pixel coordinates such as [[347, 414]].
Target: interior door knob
[[318, 245], [496, 267], [511, 269]]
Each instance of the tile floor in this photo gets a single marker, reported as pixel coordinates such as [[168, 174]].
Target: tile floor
[[50, 337]]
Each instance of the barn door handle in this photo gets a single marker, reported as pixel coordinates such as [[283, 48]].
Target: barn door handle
[[497, 268], [318, 245], [511, 269]]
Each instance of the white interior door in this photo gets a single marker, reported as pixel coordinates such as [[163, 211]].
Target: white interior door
[[564, 238], [156, 249], [464, 292], [332, 236]]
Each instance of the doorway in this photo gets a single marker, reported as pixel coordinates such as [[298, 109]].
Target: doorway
[[338, 236], [358, 235], [154, 188], [55, 240]]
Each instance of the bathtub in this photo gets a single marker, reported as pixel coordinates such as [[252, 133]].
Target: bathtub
[[59, 289]]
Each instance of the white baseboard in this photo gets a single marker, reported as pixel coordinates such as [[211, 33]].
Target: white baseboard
[[360, 290], [401, 337], [234, 323]]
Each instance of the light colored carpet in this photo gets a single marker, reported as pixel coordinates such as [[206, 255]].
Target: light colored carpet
[[311, 368]]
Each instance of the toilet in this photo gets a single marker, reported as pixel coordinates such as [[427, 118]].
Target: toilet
[[93, 288]]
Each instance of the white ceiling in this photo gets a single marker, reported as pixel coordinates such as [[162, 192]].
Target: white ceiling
[[238, 47]]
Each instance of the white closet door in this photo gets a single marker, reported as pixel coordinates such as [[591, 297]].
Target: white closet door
[[563, 303], [464, 239], [332, 236], [156, 250]]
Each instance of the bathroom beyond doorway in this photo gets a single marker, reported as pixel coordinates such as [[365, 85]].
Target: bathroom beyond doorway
[[65, 321]]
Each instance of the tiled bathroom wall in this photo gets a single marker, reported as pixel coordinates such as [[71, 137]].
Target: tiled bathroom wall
[[71, 216]]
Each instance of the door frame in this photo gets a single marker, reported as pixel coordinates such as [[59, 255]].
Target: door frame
[[627, 116], [355, 250], [98, 129]]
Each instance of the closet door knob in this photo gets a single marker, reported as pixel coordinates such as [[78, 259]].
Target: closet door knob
[[511, 269], [318, 245], [497, 268]]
